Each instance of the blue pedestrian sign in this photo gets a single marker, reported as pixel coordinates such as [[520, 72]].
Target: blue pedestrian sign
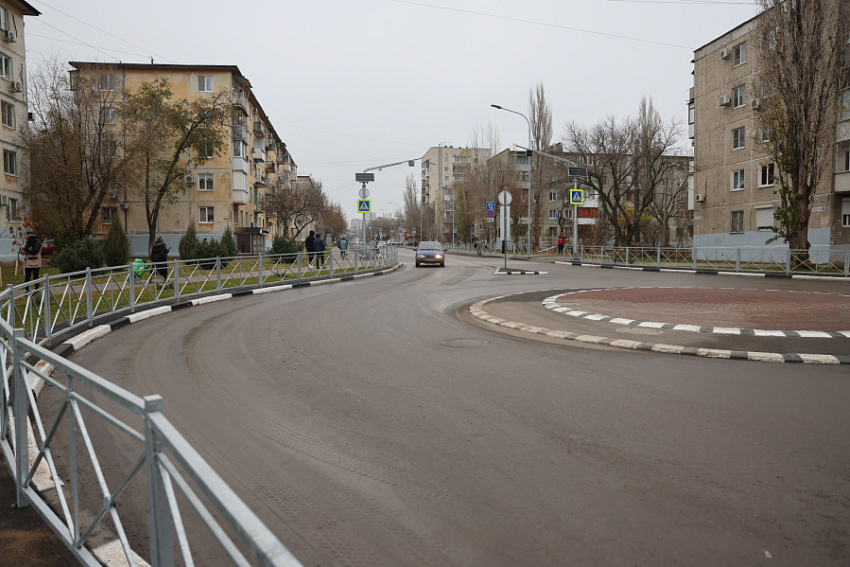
[[364, 205], [491, 205], [576, 196]]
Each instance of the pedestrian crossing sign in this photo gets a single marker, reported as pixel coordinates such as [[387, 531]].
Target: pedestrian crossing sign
[[576, 196], [364, 205]]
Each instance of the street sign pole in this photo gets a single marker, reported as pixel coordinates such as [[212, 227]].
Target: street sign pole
[[575, 224]]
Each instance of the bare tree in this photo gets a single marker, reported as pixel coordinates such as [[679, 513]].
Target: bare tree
[[77, 147], [412, 203], [482, 173], [333, 220], [540, 115], [297, 205], [804, 50]]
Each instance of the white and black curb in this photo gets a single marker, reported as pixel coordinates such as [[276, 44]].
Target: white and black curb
[[552, 303], [477, 311], [512, 272], [710, 271]]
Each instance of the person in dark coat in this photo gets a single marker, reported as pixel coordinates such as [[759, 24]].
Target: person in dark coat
[[308, 244], [159, 256], [319, 250], [32, 258]]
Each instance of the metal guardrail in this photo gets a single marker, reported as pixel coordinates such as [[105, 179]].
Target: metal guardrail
[[176, 479], [767, 260]]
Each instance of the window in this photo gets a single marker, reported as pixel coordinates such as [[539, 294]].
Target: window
[[738, 135], [738, 96], [7, 114], [10, 162], [205, 215], [737, 221], [553, 214], [460, 159], [106, 215], [110, 115], [205, 84], [764, 135], [5, 67], [766, 175], [764, 218], [109, 149], [847, 160], [12, 210], [844, 113], [206, 150], [738, 180], [106, 82], [553, 196], [4, 18], [205, 181], [845, 211], [739, 54]]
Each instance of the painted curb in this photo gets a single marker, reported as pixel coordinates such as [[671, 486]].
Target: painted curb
[[709, 271]]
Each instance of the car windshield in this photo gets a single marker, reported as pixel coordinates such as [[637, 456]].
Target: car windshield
[[430, 246]]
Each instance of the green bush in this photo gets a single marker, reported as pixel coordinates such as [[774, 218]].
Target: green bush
[[284, 245], [65, 240], [85, 253], [205, 250], [228, 243], [188, 242], [116, 245]]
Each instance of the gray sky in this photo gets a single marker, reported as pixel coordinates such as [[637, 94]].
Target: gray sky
[[354, 84]]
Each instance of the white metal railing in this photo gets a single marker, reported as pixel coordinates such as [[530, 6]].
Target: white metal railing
[[183, 492]]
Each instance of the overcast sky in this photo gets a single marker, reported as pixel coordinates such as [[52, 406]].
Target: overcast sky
[[360, 83]]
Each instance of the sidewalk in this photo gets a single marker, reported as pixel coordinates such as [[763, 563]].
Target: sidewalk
[[25, 539]]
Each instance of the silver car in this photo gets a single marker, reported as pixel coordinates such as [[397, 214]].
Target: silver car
[[430, 252]]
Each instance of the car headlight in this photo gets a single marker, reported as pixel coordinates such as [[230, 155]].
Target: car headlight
[[438, 256]]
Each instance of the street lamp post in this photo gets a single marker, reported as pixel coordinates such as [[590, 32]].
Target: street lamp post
[[530, 172]]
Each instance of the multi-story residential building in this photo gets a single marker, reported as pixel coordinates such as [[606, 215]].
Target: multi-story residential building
[[733, 197], [444, 170], [13, 115], [225, 190]]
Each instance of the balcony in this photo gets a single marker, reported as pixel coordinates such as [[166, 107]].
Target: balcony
[[259, 129], [270, 167], [239, 132], [260, 181], [239, 99], [240, 197], [842, 182]]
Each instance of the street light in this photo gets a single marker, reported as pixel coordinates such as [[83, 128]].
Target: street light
[[530, 172]]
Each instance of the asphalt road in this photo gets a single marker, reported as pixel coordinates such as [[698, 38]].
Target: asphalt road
[[374, 423]]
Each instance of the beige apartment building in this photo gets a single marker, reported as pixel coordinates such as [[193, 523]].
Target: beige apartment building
[[227, 189], [13, 116], [732, 197], [444, 170]]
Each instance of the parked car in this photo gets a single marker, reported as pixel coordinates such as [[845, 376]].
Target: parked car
[[47, 247], [430, 252]]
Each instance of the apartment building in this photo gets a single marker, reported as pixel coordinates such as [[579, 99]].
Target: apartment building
[[732, 196], [13, 115], [225, 190], [445, 170]]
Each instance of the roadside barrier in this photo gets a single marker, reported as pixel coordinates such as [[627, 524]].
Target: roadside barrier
[[180, 486]]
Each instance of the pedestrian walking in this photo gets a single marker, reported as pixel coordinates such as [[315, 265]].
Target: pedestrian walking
[[308, 244], [32, 258], [478, 247], [343, 246], [159, 256], [560, 245], [319, 250]]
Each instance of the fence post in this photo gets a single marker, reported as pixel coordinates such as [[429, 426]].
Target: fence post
[[298, 261], [331, 264], [218, 273], [627, 255], [356, 254], [694, 257], [132, 288], [738, 260], [788, 262], [161, 543], [260, 268], [45, 311], [658, 259], [176, 278], [21, 411], [89, 302], [846, 263]]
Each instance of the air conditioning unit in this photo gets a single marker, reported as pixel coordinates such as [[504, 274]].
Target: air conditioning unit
[[15, 87], [724, 100], [125, 206], [190, 179], [4, 200], [8, 36], [725, 54], [755, 103], [699, 198]]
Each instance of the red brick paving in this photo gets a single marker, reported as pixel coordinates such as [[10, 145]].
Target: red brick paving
[[747, 309]]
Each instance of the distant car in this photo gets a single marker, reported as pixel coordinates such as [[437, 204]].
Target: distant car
[[47, 247], [430, 252]]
